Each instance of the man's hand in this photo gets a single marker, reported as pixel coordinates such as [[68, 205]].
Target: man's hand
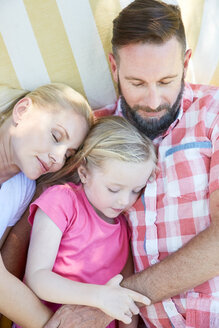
[[76, 316]]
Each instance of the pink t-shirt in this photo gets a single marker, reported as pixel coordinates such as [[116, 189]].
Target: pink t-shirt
[[91, 250]]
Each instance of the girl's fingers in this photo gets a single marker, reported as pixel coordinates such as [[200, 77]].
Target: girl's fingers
[[115, 281], [125, 318], [129, 313], [139, 298], [133, 308]]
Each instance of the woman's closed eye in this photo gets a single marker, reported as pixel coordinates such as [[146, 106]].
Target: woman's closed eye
[[56, 135]]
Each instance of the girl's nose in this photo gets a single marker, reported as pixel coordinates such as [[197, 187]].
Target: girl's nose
[[124, 200]]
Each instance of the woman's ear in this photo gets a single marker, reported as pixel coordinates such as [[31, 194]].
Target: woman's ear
[[83, 173], [20, 108]]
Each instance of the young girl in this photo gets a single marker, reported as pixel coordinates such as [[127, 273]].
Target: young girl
[[80, 238]]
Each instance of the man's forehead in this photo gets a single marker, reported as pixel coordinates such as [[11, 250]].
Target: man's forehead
[[140, 50], [139, 60]]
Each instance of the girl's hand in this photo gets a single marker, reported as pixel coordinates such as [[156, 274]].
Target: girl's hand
[[119, 302]]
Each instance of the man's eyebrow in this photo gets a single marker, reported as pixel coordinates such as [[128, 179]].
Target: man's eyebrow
[[131, 78], [66, 133]]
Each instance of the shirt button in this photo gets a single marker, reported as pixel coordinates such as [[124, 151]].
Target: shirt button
[[153, 261]]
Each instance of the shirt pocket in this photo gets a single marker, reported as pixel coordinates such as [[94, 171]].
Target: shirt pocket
[[202, 311], [187, 169]]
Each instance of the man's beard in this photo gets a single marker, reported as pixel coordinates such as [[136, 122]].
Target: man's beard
[[152, 127]]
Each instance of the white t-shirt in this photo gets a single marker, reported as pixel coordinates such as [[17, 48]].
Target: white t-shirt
[[15, 195]]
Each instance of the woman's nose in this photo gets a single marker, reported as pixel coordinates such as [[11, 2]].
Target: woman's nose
[[57, 156]]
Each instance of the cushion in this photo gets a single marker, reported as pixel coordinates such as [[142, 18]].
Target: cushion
[[69, 41]]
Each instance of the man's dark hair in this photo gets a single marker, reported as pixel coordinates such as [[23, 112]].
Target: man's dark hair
[[148, 21]]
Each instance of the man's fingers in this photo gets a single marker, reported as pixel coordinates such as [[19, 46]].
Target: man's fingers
[[53, 323]]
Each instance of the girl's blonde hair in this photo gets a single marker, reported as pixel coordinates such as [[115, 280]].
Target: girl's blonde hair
[[55, 95], [111, 137]]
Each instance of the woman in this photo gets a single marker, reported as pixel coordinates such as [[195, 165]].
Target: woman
[[39, 130]]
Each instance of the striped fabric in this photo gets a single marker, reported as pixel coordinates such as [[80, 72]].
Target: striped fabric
[[69, 41]]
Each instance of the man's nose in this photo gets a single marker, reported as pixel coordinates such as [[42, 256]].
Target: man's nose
[[152, 97]]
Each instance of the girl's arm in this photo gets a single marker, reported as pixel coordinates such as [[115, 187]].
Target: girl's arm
[[110, 298], [18, 303]]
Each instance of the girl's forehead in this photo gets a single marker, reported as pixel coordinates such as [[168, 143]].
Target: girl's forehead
[[121, 170]]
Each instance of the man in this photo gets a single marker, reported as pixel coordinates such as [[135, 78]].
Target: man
[[175, 224]]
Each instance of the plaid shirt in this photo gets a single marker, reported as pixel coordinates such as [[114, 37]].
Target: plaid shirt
[[175, 206]]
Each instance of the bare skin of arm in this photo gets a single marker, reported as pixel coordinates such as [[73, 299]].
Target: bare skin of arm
[[14, 249], [18, 302], [179, 272], [184, 269], [75, 316]]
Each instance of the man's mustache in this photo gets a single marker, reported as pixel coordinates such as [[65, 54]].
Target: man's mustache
[[150, 110]]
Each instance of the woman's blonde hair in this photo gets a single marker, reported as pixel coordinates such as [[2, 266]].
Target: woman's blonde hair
[[111, 137], [55, 95]]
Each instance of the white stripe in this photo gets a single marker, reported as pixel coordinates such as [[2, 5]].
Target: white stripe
[[21, 44], [125, 3], [88, 51], [206, 54], [171, 2]]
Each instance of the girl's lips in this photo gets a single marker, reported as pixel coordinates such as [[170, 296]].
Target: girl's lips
[[118, 209]]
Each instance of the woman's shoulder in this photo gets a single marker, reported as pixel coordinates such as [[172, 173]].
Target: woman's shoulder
[[20, 179], [20, 187]]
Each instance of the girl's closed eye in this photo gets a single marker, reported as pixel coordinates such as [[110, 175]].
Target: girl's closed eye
[[138, 191], [113, 190]]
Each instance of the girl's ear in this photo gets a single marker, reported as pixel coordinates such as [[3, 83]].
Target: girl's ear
[[20, 108], [83, 173]]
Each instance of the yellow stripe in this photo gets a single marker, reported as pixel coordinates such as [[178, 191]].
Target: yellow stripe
[[104, 12], [215, 79], [192, 12], [53, 42], [7, 72]]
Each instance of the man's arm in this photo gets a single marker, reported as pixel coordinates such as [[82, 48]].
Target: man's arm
[[184, 269], [76, 316], [14, 249]]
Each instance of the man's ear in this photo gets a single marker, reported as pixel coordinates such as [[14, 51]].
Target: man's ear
[[114, 67], [187, 57], [20, 108], [83, 173]]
